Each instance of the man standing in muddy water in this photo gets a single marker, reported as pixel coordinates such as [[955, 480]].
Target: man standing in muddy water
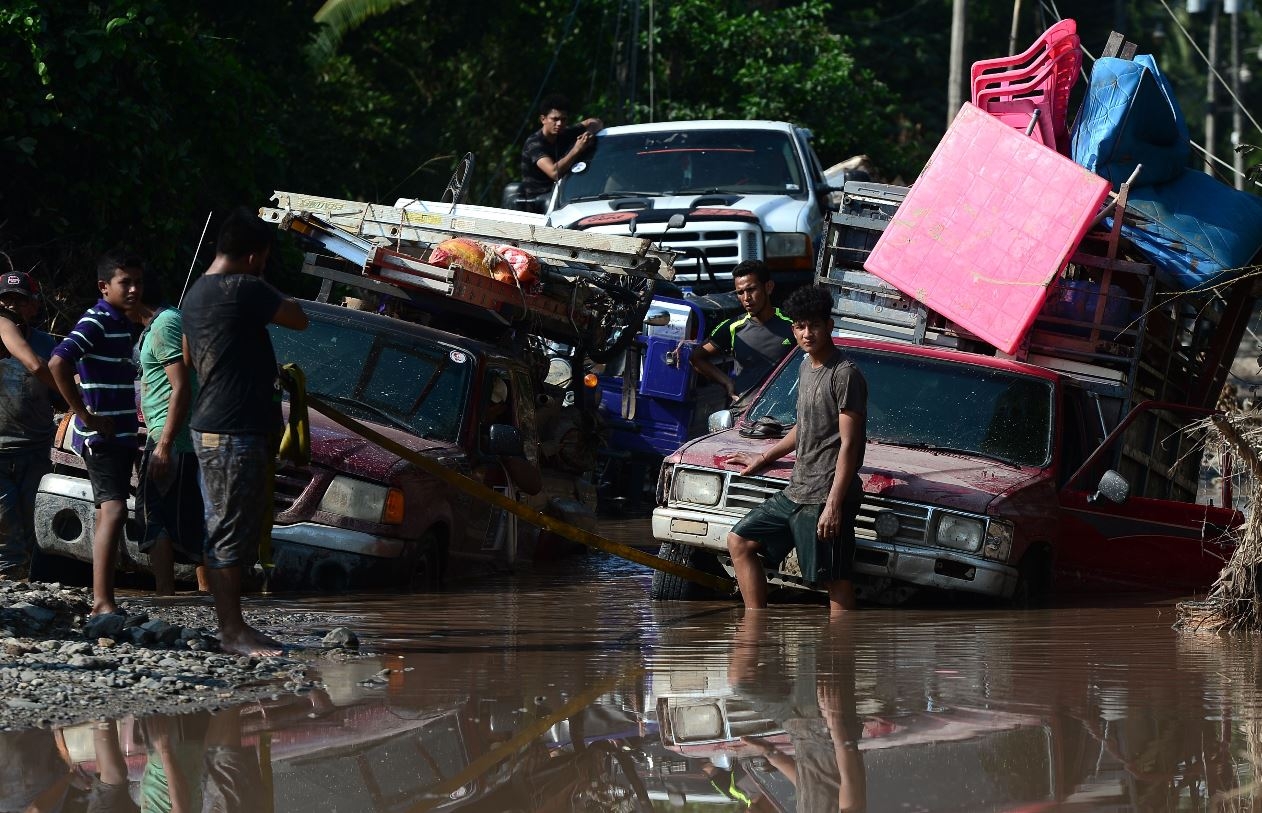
[[815, 514], [236, 419]]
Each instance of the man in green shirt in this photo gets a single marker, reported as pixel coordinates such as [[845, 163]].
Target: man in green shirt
[[170, 498]]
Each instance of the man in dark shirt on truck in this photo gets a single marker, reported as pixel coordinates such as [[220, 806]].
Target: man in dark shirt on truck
[[551, 152]]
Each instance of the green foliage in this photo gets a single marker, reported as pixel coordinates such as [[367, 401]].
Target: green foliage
[[338, 17], [777, 63], [126, 121]]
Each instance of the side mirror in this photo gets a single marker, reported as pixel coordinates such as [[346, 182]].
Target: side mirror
[[677, 221], [505, 441], [1113, 487], [720, 420], [657, 319]]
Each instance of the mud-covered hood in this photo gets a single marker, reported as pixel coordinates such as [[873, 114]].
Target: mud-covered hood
[[342, 450], [774, 212], [947, 480]]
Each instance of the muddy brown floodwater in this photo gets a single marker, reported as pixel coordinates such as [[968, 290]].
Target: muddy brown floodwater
[[567, 690]]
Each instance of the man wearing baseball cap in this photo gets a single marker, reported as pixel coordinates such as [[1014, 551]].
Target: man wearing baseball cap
[[26, 419]]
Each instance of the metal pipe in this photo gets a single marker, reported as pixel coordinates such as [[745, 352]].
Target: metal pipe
[[1237, 119], [955, 70], [1211, 85]]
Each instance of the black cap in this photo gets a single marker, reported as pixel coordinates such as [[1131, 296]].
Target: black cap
[[19, 283]]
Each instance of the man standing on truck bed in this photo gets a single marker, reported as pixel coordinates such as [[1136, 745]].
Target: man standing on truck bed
[[551, 151], [758, 340], [236, 418], [815, 514]]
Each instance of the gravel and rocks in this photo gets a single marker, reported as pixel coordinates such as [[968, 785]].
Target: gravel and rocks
[[60, 667]]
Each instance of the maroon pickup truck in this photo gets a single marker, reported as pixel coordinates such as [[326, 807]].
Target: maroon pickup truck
[[361, 517], [982, 475]]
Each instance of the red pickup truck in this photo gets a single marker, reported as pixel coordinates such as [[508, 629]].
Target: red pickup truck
[[982, 475]]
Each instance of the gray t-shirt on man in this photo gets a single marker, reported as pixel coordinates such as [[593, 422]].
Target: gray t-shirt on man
[[823, 393], [26, 406]]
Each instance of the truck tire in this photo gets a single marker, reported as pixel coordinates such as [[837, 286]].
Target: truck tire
[[1034, 582], [431, 563], [669, 587]]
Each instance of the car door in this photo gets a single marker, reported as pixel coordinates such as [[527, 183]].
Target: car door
[[1172, 531], [495, 528]]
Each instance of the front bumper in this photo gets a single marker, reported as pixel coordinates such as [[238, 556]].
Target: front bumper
[[922, 566], [305, 554]]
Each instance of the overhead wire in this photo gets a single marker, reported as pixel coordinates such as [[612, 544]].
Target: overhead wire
[[1211, 67], [547, 76], [1050, 5]]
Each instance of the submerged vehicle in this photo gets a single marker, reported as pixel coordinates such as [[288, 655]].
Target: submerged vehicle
[[451, 368], [981, 475]]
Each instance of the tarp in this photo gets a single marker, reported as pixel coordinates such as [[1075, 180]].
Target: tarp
[[1195, 229]]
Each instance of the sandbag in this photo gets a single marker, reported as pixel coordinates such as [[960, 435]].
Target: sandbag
[[525, 267], [462, 252]]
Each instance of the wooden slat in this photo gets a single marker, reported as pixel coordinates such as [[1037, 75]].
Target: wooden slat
[[616, 253]]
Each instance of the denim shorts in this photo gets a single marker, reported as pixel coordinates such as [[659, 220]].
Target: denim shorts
[[109, 472], [780, 525], [236, 478], [173, 508]]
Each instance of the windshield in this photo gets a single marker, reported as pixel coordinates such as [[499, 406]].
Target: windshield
[[380, 376], [744, 162], [930, 403]]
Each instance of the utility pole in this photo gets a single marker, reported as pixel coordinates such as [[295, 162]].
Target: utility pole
[[955, 70], [1211, 87], [634, 48], [1237, 119], [1012, 33], [652, 69]]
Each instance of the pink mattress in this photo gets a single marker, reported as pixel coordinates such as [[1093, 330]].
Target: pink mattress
[[987, 227]]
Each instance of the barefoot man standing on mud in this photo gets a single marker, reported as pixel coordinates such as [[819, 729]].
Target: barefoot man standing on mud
[[236, 419]]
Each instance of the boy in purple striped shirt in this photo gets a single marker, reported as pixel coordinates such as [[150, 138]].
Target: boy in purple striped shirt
[[106, 429]]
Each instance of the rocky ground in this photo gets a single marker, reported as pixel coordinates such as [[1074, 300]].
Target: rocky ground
[[58, 668]]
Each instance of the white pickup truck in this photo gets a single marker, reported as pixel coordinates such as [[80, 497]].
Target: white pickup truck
[[748, 190]]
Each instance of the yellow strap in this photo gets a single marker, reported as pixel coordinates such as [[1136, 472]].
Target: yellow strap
[[489, 495], [295, 446], [441, 792]]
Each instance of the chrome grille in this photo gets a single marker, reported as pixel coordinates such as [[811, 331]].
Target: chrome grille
[[913, 520], [723, 248], [291, 481], [753, 246], [742, 494]]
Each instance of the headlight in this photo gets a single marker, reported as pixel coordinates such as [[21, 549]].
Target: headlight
[[698, 723], [786, 244], [356, 499], [961, 533], [698, 487], [998, 540]]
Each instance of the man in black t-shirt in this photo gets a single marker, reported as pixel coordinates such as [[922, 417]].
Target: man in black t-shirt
[[552, 151], [236, 420]]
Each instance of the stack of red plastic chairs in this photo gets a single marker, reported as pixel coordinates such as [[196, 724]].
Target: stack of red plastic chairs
[[1013, 88]]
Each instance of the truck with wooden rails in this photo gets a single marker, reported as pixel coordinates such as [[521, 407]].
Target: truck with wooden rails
[[1072, 464], [425, 334]]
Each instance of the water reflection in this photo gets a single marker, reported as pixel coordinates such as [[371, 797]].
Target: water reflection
[[563, 694]]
